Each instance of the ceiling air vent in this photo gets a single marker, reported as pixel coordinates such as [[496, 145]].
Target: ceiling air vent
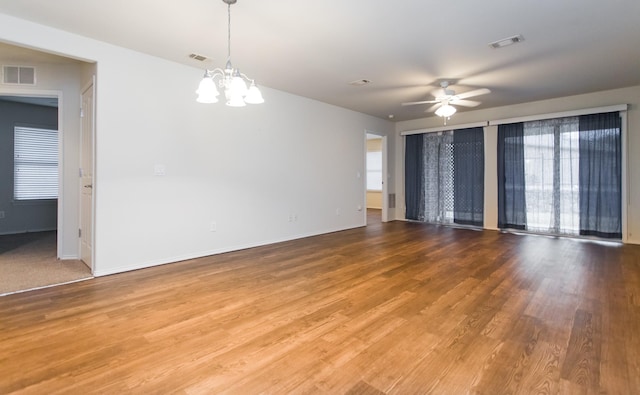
[[19, 75], [360, 82], [198, 57], [507, 41]]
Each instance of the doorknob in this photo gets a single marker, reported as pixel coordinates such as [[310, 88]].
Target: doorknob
[[88, 186]]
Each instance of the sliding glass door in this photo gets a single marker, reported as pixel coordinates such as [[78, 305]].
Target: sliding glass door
[[561, 176], [551, 175], [444, 177]]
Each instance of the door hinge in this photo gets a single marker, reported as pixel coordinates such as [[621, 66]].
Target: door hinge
[[79, 232]]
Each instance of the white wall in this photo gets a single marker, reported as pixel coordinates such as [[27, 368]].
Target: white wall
[[265, 173], [629, 96]]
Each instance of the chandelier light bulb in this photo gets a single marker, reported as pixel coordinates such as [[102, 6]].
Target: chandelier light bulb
[[207, 91], [236, 101], [254, 96]]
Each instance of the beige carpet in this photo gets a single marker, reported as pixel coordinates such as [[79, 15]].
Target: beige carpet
[[28, 261]]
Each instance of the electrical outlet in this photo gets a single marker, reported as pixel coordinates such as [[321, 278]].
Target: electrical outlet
[[213, 227]]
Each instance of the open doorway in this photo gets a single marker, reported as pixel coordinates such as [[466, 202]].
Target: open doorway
[[30, 195], [29, 164], [376, 178], [39, 78]]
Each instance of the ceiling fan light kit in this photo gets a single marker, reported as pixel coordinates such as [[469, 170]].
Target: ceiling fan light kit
[[230, 79], [446, 111], [443, 102]]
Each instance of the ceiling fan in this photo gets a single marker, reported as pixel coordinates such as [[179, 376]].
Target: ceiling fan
[[444, 99]]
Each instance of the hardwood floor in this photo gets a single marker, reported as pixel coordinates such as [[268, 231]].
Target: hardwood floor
[[389, 308]]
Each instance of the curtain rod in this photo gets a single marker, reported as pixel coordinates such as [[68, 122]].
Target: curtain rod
[[445, 128], [539, 117], [574, 113]]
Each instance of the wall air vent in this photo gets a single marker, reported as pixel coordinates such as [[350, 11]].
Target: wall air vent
[[507, 41], [18, 75], [392, 200]]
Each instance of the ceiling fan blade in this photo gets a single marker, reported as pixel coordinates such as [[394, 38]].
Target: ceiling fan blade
[[465, 103], [476, 92], [433, 108], [411, 103]]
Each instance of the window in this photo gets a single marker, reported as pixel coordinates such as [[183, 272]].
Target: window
[[35, 174], [374, 171], [444, 177]]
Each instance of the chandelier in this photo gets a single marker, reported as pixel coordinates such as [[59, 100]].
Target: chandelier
[[230, 79]]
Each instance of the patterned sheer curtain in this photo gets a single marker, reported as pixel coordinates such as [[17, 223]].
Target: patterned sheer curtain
[[438, 170]]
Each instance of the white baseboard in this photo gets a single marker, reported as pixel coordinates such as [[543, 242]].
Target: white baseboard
[[14, 232], [143, 265]]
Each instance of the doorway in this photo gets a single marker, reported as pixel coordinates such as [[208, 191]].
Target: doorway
[[30, 137], [56, 76], [376, 188], [31, 195]]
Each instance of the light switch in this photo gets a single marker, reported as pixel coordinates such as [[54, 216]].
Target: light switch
[[159, 170]]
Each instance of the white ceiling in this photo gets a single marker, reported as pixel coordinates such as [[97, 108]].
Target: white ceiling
[[314, 48]]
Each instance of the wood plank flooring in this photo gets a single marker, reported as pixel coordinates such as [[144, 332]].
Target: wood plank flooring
[[394, 308]]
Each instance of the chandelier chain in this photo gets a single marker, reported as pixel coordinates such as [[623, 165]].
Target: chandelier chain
[[229, 31]]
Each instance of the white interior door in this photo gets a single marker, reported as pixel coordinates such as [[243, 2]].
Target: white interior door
[[86, 175]]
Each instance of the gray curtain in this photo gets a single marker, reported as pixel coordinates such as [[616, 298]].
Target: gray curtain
[[600, 175], [512, 207], [414, 176], [468, 176]]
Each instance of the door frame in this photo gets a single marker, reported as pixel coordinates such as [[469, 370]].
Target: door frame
[[90, 85], [385, 176]]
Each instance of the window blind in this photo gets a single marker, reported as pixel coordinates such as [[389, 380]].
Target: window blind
[[35, 163]]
